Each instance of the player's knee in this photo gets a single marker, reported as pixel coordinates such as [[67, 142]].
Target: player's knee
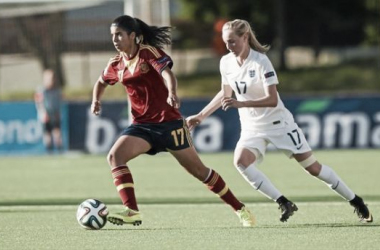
[[110, 159], [237, 162], [246, 159], [311, 165], [240, 166], [314, 169]]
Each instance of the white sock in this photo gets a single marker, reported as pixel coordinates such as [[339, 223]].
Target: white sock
[[332, 180], [259, 181]]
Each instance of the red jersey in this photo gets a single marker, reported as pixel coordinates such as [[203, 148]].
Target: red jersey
[[141, 76]]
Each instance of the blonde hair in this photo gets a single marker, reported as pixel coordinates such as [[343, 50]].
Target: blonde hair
[[240, 27]]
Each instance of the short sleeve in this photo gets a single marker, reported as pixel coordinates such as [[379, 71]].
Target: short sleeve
[[222, 70], [110, 75], [269, 75], [158, 58]]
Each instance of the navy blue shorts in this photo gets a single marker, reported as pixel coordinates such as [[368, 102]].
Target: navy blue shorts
[[173, 135], [49, 126]]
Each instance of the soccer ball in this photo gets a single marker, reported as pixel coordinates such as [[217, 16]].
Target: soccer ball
[[92, 214]]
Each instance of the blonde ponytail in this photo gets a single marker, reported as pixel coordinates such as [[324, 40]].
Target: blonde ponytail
[[240, 27]]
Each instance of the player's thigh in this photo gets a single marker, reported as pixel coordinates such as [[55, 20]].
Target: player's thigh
[[57, 132], [48, 127], [251, 147], [126, 148], [290, 140], [176, 136], [189, 159]]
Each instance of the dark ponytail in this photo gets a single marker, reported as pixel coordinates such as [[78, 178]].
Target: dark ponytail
[[151, 35]]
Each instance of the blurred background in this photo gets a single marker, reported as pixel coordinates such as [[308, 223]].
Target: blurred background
[[326, 53]]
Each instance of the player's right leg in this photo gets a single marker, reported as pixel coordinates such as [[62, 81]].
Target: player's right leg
[[361, 210], [127, 216], [245, 161], [126, 148], [333, 181], [190, 160]]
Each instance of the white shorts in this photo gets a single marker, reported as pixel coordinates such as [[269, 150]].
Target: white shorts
[[289, 139]]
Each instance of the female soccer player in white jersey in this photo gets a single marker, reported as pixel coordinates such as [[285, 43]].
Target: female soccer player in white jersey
[[247, 72]]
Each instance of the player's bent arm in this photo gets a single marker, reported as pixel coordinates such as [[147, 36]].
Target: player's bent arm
[[97, 94], [98, 90], [269, 100], [171, 82]]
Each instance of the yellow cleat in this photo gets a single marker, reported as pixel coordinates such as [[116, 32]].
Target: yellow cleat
[[246, 217], [128, 216]]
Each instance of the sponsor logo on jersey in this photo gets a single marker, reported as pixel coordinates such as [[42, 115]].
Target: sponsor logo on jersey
[[269, 74], [144, 68], [251, 73]]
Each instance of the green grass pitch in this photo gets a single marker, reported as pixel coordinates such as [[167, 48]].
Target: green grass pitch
[[39, 197]]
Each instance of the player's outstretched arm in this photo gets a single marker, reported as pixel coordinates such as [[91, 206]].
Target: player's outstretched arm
[[210, 108]]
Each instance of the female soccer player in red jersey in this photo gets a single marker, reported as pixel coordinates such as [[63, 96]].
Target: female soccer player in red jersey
[[143, 68], [247, 72]]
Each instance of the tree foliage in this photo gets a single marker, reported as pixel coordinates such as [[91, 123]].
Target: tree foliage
[[308, 23], [283, 23]]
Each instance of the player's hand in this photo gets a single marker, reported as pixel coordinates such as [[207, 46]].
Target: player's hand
[[96, 107], [193, 121], [173, 101], [228, 102]]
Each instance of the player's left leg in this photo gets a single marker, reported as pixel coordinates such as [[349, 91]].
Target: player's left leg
[[57, 138], [190, 160], [126, 148], [246, 161], [48, 137], [328, 176]]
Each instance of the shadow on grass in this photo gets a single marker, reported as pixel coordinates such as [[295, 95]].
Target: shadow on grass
[[322, 225], [288, 226]]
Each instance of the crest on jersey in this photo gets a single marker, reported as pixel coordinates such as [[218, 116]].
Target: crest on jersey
[[144, 68], [252, 73]]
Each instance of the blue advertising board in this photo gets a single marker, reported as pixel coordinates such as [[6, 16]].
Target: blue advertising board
[[96, 134], [20, 130], [327, 122], [338, 122]]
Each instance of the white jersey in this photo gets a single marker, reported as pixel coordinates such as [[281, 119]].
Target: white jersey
[[248, 82]]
